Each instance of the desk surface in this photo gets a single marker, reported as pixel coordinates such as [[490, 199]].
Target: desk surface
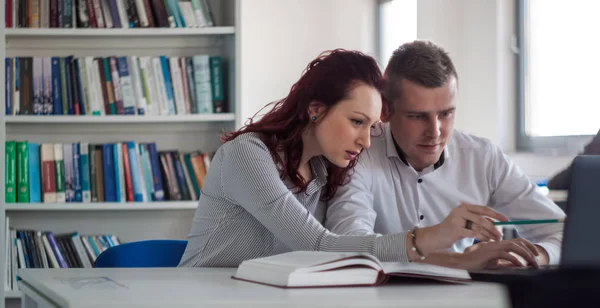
[[213, 287]]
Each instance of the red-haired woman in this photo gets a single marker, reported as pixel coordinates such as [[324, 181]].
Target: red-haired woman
[[264, 193]]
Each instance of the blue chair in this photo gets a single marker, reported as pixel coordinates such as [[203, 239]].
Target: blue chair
[[148, 253]]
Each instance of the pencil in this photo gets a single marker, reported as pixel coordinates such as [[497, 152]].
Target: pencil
[[528, 222]]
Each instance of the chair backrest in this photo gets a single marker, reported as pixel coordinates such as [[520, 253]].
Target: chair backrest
[[148, 253]]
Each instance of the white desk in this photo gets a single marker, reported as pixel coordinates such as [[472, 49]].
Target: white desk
[[213, 287]]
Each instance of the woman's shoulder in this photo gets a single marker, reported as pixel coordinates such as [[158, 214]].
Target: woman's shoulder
[[244, 146]]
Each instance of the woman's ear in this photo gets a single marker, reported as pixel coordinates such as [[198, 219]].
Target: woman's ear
[[315, 109]]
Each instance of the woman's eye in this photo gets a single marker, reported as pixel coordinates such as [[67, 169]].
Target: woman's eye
[[357, 122]]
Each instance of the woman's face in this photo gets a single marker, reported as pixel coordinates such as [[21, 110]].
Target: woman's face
[[346, 128]]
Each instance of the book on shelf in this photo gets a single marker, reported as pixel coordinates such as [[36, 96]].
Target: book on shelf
[[83, 172], [115, 85], [301, 269], [108, 14], [27, 248]]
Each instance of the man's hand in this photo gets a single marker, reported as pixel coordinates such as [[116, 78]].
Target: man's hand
[[454, 227], [492, 255]]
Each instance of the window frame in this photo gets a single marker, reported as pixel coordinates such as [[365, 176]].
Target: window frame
[[556, 145]]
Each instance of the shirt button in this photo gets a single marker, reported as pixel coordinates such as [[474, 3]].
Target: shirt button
[[419, 180], [421, 217]]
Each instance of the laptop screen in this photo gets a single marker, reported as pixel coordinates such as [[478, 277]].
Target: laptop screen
[[581, 238]]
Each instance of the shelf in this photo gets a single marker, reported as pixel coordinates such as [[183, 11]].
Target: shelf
[[12, 294], [87, 32], [52, 119], [102, 206]]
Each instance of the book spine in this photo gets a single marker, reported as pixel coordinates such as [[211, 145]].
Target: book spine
[[146, 172], [168, 84], [202, 79], [89, 5], [121, 174], [35, 193], [189, 71], [126, 85], [159, 194], [109, 173], [72, 108], [177, 85], [38, 90], [59, 178], [93, 189], [114, 71], [76, 172], [216, 83], [17, 84], [22, 172], [50, 252], [63, 86], [135, 172], [80, 90], [47, 86], [109, 86], [82, 14], [8, 85], [67, 14], [98, 13], [138, 158], [158, 76], [84, 170], [127, 173], [55, 249], [48, 173], [68, 174], [117, 179], [142, 14], [10, 173], [136, 80]]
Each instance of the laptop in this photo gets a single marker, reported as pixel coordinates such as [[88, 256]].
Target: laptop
[[579, 248]]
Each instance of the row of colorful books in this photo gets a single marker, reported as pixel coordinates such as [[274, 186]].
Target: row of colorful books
[[109, 172], [108, 14], [26, 248], [116, 85]]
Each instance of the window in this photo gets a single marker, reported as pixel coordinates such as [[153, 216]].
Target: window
[[558, 74], [397, 25]]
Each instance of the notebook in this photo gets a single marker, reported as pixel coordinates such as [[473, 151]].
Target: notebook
[[301, 269]]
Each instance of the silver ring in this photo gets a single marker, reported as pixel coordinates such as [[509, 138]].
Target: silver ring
[[469, 224]]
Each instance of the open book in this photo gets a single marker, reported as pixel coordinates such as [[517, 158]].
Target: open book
[[321, 269]]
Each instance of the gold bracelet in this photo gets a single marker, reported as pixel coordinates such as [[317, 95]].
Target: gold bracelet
[[413, 235]]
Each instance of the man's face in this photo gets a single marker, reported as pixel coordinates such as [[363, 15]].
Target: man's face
[[423, 121]]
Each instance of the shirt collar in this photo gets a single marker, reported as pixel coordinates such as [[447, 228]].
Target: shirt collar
[[319, 169], [393, 150]]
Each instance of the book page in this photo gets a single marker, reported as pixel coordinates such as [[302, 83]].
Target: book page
[[424, 270], [305, 259]]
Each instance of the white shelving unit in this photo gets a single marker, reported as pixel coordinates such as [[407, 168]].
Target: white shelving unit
[[129, 221], [126, 119]]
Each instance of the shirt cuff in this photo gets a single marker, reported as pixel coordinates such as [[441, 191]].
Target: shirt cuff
[[553, 251], [392, 248]]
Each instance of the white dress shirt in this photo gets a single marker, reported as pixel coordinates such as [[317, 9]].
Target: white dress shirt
[[386, 195]]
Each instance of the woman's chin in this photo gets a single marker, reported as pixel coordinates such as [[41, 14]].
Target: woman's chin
[[340, 162]]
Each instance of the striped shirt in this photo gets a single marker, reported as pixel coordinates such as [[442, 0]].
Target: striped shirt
[[246, 211]]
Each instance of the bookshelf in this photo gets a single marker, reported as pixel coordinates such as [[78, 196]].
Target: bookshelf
[[130, 221]]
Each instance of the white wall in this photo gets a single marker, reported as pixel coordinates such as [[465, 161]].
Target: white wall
[[279, 39], [478, 35]]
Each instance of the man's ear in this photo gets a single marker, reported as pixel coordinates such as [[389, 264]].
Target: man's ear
[[316, 109]]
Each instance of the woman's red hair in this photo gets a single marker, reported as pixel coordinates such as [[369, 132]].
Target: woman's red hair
[[327, 80]]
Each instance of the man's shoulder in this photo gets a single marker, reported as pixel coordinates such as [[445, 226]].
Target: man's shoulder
[[465, 142], [377, 152]]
